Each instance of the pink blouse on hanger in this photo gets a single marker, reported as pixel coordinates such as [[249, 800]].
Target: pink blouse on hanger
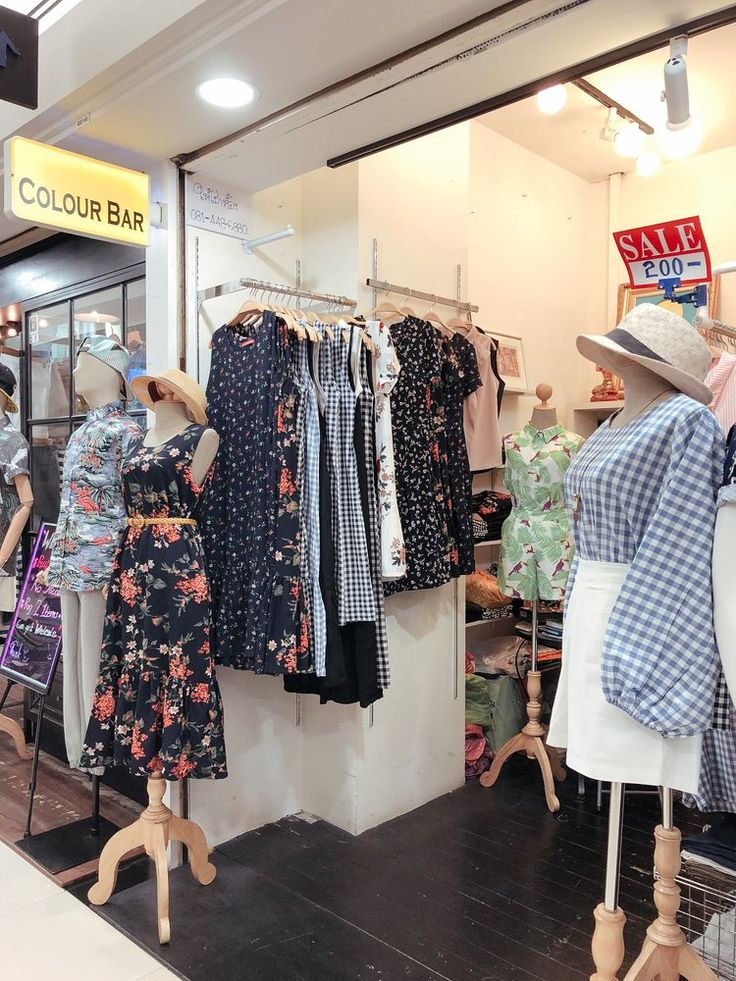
[[482, 430], [721, 380]]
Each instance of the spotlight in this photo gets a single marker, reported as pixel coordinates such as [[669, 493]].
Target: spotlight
[[681, 135], [629, 140], [647, 164], [12, 332], [551, 100]]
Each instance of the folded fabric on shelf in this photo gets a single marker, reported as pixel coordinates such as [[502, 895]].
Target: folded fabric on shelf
[[489, 510], [715, 847]]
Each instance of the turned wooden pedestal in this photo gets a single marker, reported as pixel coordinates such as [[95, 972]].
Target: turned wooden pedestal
[[154, 829], [16, 734], [531, 741]]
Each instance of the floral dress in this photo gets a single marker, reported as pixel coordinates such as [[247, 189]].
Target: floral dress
[[157, 705], [417, 449], [461, 378]]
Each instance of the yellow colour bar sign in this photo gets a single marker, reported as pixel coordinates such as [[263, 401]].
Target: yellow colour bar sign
[[58, 189]]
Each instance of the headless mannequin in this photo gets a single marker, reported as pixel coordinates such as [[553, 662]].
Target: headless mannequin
[[544, 415], [171, 419]]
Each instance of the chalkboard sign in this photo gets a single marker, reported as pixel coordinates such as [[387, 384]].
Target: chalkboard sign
[[34, 639]]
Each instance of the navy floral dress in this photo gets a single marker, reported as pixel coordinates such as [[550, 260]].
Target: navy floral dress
[[157, 705]]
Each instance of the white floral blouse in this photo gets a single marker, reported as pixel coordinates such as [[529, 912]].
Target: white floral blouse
[[387, 368]]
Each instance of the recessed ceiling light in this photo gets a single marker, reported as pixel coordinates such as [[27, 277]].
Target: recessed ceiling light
[[227, 93]]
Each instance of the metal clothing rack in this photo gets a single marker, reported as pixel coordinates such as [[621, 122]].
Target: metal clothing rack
[[274, 289], [382, 286]]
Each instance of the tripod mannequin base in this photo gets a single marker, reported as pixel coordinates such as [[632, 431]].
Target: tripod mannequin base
[[15, 732], [153, 830], [536, 749]]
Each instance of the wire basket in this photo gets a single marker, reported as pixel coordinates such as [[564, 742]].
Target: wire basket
[[708, 916]]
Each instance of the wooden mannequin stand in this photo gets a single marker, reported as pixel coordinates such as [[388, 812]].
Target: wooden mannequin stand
[[531, 738], [666, 954], [11, 727], [154, 829]]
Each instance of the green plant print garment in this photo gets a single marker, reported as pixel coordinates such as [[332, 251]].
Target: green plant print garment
[[536, 541]]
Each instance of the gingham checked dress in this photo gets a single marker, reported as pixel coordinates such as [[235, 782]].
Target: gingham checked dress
[[355, 599], [640, 661]]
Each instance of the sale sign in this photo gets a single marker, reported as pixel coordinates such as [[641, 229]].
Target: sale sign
[[670, 250]]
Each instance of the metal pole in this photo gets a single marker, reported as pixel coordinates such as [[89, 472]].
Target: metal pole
[[8, 686], [94, 829], [535, 641], [34, 766], [667, 809], [613, 856]]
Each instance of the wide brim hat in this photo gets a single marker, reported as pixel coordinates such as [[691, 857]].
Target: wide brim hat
[[111, 352], [659, 340], [191, 394]]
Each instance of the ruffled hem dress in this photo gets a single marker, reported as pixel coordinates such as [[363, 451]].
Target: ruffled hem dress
[[157, 705]]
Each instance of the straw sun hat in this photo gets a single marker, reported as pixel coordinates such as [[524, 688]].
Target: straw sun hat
[[191, 394], [658, 340]]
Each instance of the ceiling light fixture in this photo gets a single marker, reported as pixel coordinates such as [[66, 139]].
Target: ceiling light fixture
[[227, 93], [551, 100], [648, 164], [629, 141], [610, 130], [681, 134]]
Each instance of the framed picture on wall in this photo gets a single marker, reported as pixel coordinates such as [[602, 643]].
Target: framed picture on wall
[[511, 365], [628, 299]]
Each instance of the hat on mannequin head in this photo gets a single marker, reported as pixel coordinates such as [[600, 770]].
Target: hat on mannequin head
[[146, 390], [110, 352], [7, 390], [662, 342]]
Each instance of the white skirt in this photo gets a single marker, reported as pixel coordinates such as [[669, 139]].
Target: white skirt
[[603, 742]]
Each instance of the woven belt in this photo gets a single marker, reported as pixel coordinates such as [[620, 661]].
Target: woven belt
[[138, 521]]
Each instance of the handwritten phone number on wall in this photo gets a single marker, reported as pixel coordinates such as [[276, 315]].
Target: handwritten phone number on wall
[[217, 221]]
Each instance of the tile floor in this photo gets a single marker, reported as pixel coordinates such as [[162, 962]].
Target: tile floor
[[47, 933]]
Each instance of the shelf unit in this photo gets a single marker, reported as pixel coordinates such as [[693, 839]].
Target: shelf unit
[[588, 417]]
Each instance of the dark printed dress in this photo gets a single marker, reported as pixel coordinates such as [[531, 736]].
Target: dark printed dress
[[420, 475], [157, 705]]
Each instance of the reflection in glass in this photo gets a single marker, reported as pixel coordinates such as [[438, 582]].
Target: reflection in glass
[[97, 313], [48, 445], [135, 333], [48, 343]]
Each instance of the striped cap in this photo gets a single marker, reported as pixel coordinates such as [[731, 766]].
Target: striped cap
[[110, 352]]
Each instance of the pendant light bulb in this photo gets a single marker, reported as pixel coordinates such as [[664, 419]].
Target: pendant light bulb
[[648, 164], [551, 100], [629, 141]]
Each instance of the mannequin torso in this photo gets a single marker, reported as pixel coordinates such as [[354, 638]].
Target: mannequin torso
[[172, 419]]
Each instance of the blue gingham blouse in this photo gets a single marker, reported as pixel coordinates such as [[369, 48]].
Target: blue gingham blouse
[[647, 497]]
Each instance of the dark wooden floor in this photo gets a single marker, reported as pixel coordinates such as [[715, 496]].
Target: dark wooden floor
[[480, 885], [62, 796]]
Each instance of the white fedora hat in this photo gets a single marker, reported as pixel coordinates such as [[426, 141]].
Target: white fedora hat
[[659, 340]]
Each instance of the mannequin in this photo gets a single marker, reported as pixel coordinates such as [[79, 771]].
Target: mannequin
[[171, 418], [638, 678], [544, 415], [92, 514], [157, 711], [536, 553], [16, 499]]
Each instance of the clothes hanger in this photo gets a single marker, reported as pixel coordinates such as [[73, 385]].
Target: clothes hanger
[[384, 307], [407, 310], [461, 323], [432, 317]]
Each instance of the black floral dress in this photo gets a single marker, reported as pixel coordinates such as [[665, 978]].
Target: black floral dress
[[420, 482], [157, 705], [460, 379]]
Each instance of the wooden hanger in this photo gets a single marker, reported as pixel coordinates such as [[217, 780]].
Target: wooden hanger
[[250, 307], [432, 317], [461, 323], [384, 307]]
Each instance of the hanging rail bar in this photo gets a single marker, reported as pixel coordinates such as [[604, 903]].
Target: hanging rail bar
[[278, 289], [444, 301]]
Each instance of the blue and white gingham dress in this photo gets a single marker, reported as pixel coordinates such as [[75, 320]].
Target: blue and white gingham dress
[[648, 498]]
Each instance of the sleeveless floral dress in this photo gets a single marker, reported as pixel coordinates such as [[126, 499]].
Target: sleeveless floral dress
[[157, 704]]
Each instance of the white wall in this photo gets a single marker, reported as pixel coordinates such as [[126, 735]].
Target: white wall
[[538, 258], [702, 185]]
